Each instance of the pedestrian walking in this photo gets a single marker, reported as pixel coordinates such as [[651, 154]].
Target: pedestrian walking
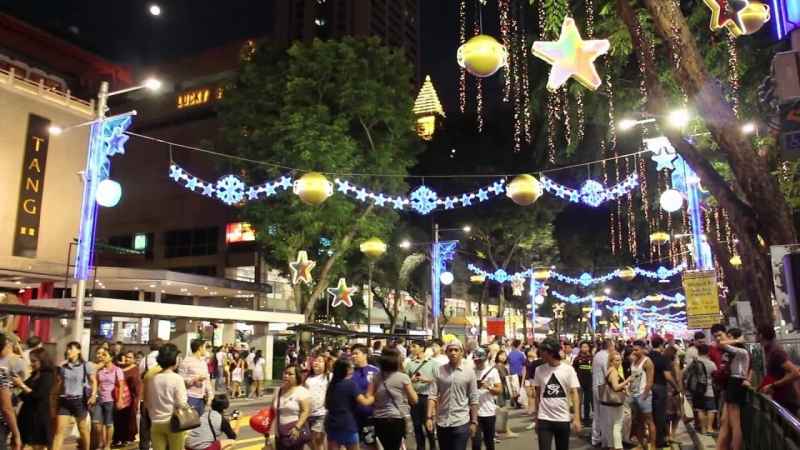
[[78, 393], [341, 399], [363, 374], [8, 419], [489, 386], [393, 396], [557, 387], [125, 419], [615, 382], [147, 363], [662, 376], [781, 373], [421, 371], [36, 414], [164, 393], [317, 385], [504, 399], [699, 386], [732, 345], [194, 371], [292, 406], [528, 373], [641, 389], [259, 373], [453, 401], [109, 379], [599, 370], [583, 367]]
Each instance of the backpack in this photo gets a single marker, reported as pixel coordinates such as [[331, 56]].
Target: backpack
[[695, 378]]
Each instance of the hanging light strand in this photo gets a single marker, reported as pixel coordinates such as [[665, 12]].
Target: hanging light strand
[[462, 38], [733, 72], [478, 80]]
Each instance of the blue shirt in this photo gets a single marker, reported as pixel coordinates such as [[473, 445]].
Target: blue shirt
[[342, 407], [516, 361], [362, 376], [76, 376]]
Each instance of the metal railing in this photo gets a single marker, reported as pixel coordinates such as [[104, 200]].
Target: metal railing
[[768, 426]]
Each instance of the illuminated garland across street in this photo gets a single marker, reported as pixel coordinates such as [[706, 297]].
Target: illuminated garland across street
[[592, 193], [585, 279], [232, 190], [228, 189], [627, 303]]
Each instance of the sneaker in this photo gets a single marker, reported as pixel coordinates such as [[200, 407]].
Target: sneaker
[[531, 426]]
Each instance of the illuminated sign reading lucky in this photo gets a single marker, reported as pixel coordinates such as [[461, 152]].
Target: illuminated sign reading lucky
[[197, 97]]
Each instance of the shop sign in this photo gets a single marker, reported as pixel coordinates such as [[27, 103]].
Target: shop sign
[[31, 188]]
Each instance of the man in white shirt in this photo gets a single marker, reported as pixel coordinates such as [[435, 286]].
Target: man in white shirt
[[556, 386], [194, 371], [453, 401], [150, 360], [599, 369], [489, 386]]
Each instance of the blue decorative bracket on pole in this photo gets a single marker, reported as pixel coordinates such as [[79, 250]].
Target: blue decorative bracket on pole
[[441, 253]]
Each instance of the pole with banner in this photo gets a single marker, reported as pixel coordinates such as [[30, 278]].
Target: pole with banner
[[702, 299]]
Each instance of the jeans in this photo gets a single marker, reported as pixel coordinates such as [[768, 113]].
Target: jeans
[[486, 432], [165, 439], [453, 438], [660, 414], [586, 414], [598, 429], [198, 404], [548, 430], [419, 414], [390, 432], [144, 429], [4, 439]]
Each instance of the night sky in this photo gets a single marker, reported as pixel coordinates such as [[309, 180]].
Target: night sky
[[129, 35]]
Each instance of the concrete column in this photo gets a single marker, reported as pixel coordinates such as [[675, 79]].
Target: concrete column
[[228, 333], [265, 341], [60, 335], [183, 334], [118, 331]]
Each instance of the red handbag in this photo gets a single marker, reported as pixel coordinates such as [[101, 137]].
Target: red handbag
[[122, 394]]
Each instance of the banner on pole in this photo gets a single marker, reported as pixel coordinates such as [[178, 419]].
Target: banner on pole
[[702, 299], [495, 327]]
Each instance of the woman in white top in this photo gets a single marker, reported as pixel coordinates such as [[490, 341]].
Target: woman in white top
[[293, 406], [317, 385], [259, 364], [615, 382], [164, 392]]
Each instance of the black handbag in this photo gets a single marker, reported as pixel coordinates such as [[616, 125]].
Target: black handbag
[[184, 418], [285, 431]]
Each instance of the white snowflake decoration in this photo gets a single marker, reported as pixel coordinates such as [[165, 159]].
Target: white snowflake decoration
[[230, 190], [593, 193], [424, 200]]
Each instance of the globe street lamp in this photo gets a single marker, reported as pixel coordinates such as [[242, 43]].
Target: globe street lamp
[[373, 249]]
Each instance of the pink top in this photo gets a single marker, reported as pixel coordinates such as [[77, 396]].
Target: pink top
[[192, 368], [107, 379]]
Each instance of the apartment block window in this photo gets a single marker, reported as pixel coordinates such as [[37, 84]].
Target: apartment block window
[[196, 242]]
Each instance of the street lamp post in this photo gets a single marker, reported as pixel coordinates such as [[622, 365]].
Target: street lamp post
[[107, 138], [441, 252], [373, 249]]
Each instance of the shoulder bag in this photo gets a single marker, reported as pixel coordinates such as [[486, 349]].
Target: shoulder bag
[[122, 395], [610, 397], [184, 418], [409, 423], [285, 438]]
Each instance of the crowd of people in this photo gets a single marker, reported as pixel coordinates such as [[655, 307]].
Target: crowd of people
[[434, 394]]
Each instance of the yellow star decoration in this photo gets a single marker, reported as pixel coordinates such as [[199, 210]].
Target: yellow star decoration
[[301, 268], [571, 57], [342, 294]]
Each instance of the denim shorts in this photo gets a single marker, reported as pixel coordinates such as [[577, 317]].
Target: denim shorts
[[642, 405], [103, 413], [344, 438], [72, 406]]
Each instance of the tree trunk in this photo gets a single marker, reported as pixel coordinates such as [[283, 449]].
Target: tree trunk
[[482, 299], [763, 211], [396, 310]]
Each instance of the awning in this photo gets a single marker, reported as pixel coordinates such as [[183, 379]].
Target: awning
[[29, 310], [330, 330]]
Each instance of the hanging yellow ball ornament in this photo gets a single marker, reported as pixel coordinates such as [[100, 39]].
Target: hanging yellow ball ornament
[[627, 274], [524, 190], [754, 16], [313, 188], [736, 261], [373, 248], [482, 56], [541, 274], [659, 237]]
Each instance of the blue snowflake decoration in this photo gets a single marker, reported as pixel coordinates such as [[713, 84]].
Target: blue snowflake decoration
[[501, 276], [230, 190], [585, 279], [593, 193], [175, 172], [423, 200]]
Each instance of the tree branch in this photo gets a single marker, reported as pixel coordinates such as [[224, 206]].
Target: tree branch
[[369, 134]]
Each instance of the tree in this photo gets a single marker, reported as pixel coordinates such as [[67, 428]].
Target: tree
[[322, 107], [752, 198]]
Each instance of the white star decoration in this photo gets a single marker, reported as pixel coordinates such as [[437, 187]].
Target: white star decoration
[[663, 152], [571, 57]]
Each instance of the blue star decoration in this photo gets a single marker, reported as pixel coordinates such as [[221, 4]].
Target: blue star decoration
[[483, 195], [448, 203], [380, 200], [252, 193], [208, 190], [398, 202], [191, 184], [342, 294], [175, 172], [285, 183], [344, 186], [466, 200], [113, 134], [269, 188], [361, 194]]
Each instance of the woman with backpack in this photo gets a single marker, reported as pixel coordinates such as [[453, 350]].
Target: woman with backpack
[[36, 414], [697, 381], [78, 393]]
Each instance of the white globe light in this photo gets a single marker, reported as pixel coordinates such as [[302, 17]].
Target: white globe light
[[539, 299], [155, 10], [598, 312], [671, 200], [108, 193], [446, 278]]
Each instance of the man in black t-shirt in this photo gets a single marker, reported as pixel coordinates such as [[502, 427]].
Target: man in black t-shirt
[[661, 376]]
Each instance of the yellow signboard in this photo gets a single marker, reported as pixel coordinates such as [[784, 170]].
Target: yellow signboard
[[702, 299]]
